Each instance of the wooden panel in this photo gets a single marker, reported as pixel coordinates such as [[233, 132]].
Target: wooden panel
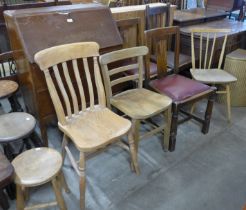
[[226, 5]]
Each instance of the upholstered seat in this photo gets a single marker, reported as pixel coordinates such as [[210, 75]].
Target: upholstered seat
[[212, 76], [178, 87]]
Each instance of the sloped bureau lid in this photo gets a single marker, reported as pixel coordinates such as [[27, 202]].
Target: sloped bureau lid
[[224, 5], [42, 28]]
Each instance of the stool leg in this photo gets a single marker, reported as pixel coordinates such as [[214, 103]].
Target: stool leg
[[63, 182], [58, 194], [228, 98], [3, 200], [20, 204], [82, 183]]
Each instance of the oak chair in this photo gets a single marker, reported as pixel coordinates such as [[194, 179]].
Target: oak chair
[[126, 28], [88, 127], [180, 89], [45, 166], [137, 103], [155, 17], [207, 72]]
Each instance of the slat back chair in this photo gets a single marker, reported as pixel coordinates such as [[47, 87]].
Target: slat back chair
[[130, 28], [157, 16], [136, 103], [212, 43], [180, 89], [7, 66], [89, 127]]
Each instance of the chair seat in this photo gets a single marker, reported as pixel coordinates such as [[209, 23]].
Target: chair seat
[[95, 129], [184, 60], [140, 103], [16, 125], [7, 88], [212, 76], [177, 87], [36, 166]]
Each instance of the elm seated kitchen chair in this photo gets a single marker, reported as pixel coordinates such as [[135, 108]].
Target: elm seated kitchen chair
[[155, 17], [89, 128], [180, 89], [137, 103], [206, 73]]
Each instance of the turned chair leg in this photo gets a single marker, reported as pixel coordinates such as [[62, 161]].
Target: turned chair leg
[[228, 100], [174, 127], [20, 201], [208, 114], [57, 189], [167, 128], [82, 181], [133, 142]]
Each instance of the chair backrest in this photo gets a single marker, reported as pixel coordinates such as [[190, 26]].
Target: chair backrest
[[155, 16], [54, 63], [7, 65], [205, 43], [126, 28], [122, 55], [159, 37]]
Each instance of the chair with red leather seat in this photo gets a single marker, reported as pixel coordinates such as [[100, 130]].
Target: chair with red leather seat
[[180, 89]]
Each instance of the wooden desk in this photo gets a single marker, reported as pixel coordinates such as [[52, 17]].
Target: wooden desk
[[236, 38], [138, 11], [196, 16]]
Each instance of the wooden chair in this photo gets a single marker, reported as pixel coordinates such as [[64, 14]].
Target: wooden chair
[[206, 73], [180, 89], [138, 103], [89, 128], [126, 28], [45, 166], [155, 17]]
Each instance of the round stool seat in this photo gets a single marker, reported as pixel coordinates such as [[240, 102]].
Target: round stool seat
[[37, 166], [16, 125], [7, 88]]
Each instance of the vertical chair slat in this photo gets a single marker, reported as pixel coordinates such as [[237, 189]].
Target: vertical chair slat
[[200, 54], [206, 53], [70, 87], [79, 83], [63, 91], [89, 82], [55, 98], [141, 66], [99, 85], [222, 52], [212, 51]]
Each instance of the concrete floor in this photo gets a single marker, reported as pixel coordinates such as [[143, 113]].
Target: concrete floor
[[206, 172]]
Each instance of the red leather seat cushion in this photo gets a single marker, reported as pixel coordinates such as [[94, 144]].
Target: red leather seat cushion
[[177, 87]]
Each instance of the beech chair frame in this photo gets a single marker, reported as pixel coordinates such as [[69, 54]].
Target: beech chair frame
[[69, 112]]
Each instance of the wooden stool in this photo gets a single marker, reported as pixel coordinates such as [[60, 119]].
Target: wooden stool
[[6, 175], [7, 90], [45, 166], [15, 126]]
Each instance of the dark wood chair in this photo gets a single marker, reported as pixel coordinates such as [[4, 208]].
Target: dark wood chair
[[159, 16], [6, 177], [180, 89]]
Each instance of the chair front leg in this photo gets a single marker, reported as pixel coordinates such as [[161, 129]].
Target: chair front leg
[[228, 99], [174, 127], [82, 181], [133, 142], [167, 128], [208, 113], [64, 144]]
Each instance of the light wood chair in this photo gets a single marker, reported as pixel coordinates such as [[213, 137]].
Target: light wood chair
[[207, 72], [45, 166], [159, 17], [183, 91], [138, 103], [89, 128]]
